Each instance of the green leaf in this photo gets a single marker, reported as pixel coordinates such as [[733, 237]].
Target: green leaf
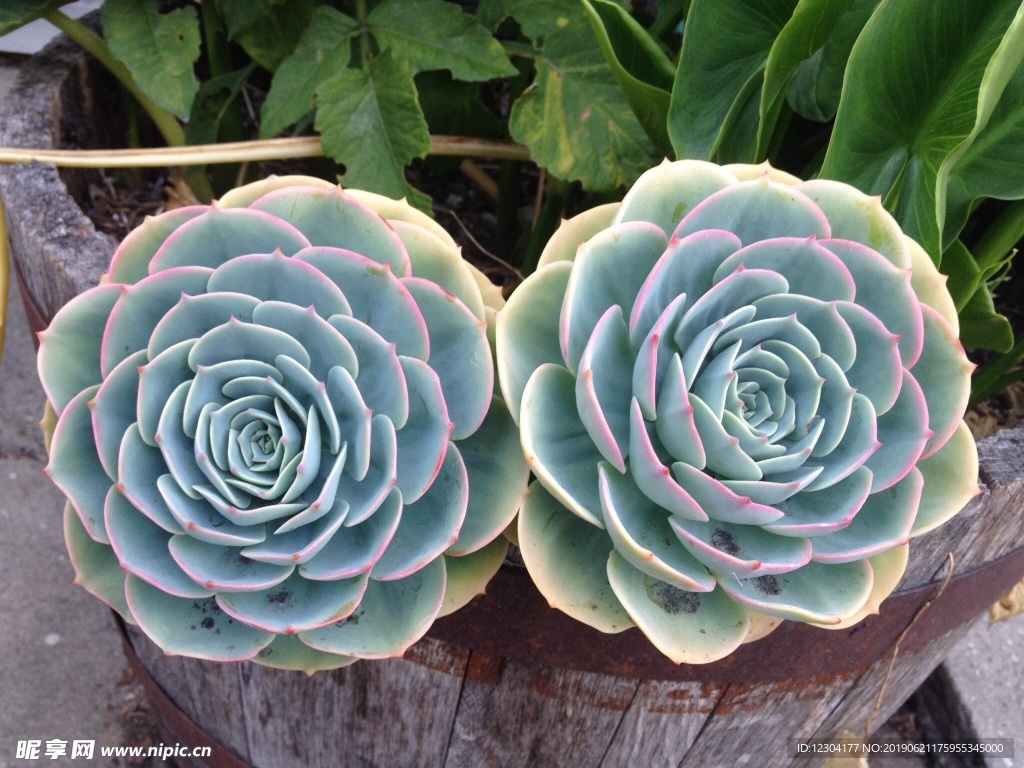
[[159, 50], [982, 327], [324, 49], [666, 25], [576, 121], [268, 30], [964, 274], [993, 164], [212, 104], [454, 108], [18, 13], [431, 34], [536, 18], [640, 67], [818, 83], [726, 43], [918, 67], [370, 122], [997, 373], [804, 34], [815, 89]]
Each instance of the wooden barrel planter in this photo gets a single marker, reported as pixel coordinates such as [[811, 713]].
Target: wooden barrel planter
[[509, 681]]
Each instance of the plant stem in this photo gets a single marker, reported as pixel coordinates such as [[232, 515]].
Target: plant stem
[[361, 18], [507, 230], [546, 223], [165, 122], [241, 151], [218, 59], [1006, 231]]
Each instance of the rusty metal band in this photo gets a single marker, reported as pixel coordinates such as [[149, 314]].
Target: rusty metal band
[[512, 620], [175, 725]]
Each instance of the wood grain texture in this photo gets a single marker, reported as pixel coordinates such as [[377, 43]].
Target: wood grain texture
[[863, 707], [538, 717], [394, 712], [208, 692], [662, 723], [751, 723]]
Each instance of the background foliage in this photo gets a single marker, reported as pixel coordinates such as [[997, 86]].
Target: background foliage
[[918, 101]]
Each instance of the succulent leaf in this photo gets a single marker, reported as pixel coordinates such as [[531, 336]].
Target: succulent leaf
[[261, 428], [747, 419]]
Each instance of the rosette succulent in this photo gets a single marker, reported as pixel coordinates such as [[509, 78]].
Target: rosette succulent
[[741, 394], [277, 428]]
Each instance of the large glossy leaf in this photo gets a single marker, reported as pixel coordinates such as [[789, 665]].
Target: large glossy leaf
[[370, 121], [804, 34], [17, 13], [267, 29], [928, 75], [324, 48], [432, 34], [818, 83], [158, 49], [981, 326], [640, 67], [726, 44], [575, 119], [992, 165]]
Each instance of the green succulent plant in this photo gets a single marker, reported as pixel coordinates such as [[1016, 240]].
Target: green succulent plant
[[277, 428], [741, 394]]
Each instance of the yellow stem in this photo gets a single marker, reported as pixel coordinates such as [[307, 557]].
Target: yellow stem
[[240, 152]]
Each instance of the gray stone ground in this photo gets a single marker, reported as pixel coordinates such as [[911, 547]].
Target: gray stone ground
[[62, 671], [63, 674]]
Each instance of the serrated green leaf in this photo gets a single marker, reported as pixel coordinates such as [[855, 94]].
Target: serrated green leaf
[[576, 121], [324, 49], [18, 13], [640, 67], [981, 326], [818, 83], [536, 18], [993, 164], [370, 121], [211, 105], [725, 44], [804, 34], [268, 30], [432, 34], [159, 50], [919, 68]]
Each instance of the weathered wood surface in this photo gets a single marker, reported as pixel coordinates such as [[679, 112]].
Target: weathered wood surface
[[444, 705], [214, 690], [523, 718], [393, 713], [662, 723]]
